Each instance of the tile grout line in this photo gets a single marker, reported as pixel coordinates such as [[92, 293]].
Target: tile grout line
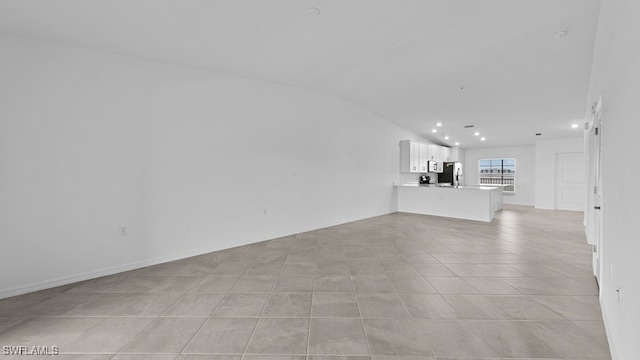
[[313, 289], [207, 317], [259, 318], [364, 328]]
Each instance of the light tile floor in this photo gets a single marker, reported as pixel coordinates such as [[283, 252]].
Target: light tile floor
[[393, 287]]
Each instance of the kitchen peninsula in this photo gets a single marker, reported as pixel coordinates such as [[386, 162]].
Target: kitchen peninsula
[[478, 203]]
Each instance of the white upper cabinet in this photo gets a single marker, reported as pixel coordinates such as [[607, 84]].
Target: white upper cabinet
[[446, 154], [409, 156], [415, 156], [457, 154], [439, 157], [424, 158], [439, 153], [433, 151]]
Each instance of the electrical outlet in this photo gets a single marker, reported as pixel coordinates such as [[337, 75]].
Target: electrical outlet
[[122, 231]]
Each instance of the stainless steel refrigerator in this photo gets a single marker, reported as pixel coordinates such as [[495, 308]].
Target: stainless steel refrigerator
[[451, 174]]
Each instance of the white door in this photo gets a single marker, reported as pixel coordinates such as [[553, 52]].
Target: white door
[[570, 181]]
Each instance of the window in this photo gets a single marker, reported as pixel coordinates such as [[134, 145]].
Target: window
[[498, 172]]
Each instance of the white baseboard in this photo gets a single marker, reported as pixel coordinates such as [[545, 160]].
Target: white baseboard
[[607, 330], [65, 280], [518, 204]]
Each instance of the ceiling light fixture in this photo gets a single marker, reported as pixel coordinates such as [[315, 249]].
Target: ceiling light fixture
[[313, 11], [574, 126], [560, 33], [446, 138], [482, 139], [439, 124], [434, 131], [476, 133], [457, 143]]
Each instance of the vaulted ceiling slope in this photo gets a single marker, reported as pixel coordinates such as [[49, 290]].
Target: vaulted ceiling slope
[[495, 64]]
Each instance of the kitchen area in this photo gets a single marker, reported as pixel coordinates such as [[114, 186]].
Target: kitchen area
[[432, 183]]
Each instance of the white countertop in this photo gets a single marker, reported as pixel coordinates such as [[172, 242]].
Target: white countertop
[[435, 186]]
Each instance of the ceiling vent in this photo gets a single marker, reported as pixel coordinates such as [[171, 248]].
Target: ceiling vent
[[560, 33], [468, 126], [313, 11]]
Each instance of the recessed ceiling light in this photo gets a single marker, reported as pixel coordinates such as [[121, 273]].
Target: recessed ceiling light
[[313, 11], [434, 130], [560, 33], [482, 138], [457, 143], [439, 124], [446, 138], [575, 126], [476, 133]]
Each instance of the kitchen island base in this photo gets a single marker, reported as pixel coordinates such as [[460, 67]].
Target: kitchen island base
[[478, 203]]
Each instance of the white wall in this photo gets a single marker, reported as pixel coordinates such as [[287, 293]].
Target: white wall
[[525, 170], [545, 172], [186, 159], [616, 75], [70, 158]]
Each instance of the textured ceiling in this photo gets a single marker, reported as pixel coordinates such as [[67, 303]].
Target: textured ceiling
[[495, 64]]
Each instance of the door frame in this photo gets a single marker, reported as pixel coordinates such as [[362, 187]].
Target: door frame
[[594, 184]]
